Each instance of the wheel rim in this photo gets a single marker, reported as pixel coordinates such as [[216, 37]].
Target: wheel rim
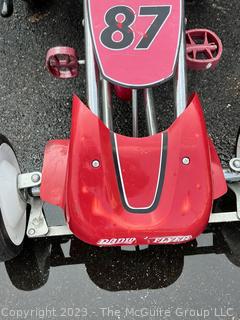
[[13, 208]]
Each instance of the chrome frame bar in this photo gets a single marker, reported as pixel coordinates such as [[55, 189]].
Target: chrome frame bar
[[92, 78], [150, 111], [231, 176], [38, 227], [224, 217], [135, 112], [180, 79], [107, 104], [238, 146], [58, 231], [55, 231]]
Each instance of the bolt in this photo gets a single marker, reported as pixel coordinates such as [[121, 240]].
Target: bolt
[[186, 161], [31, 232], [96, 164], [35, 177], [236, 163], [35, 191], [209, 65]]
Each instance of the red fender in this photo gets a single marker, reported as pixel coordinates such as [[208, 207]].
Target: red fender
[[141, 192], [54, 172], [218, 180]]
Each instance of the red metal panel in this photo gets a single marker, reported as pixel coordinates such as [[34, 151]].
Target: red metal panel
[[134, 162], [94, 205], [136, 42], [219, 183], [54, 172]]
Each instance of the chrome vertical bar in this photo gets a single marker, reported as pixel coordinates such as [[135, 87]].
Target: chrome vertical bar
[[91, 72], [135, 112], [107, 104], [180, 80], [150, 111]]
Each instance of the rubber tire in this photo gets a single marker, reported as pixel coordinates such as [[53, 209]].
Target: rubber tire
[[30, 270], [231, 231], [231, 235], [8, 249]]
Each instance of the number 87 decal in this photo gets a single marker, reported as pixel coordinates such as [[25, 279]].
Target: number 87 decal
[[119, 35]]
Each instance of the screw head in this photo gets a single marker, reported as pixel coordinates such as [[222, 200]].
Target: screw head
[[236, 163], [31, 232], [96, 164], [35, 177], [209, 65], [186, 161]]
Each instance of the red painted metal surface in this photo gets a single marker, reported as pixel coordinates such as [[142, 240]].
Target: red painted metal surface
[[94, 206], [135, 155], [204, 49], [219, 183], [54, 172], [136, 47], [122, 93], [62, 62], [91, 195]]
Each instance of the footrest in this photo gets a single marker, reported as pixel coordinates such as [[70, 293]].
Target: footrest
[[204, 49], [62, 62]]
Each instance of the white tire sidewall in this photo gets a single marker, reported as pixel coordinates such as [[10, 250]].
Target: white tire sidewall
[[12, 206]]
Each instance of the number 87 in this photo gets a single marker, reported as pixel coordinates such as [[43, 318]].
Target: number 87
[[123, 27]]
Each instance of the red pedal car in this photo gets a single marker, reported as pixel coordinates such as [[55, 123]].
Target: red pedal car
[[116, 190]]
